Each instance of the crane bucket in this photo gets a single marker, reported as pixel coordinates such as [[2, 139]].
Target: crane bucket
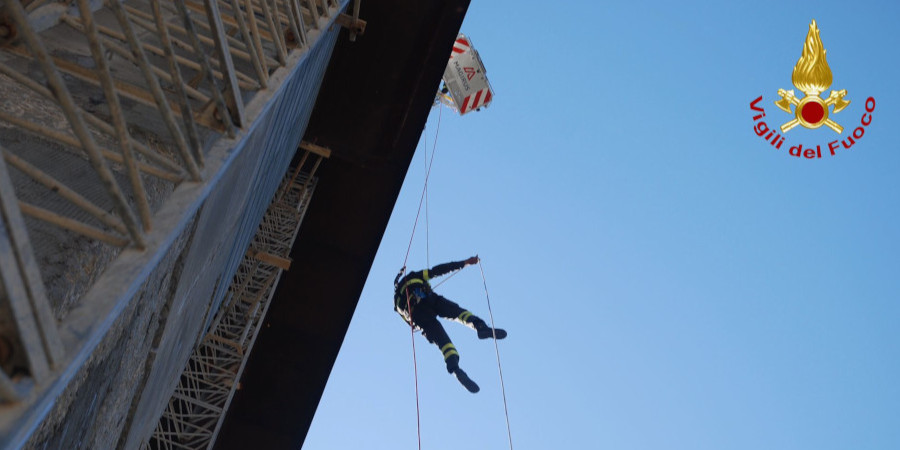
[[466, 78]]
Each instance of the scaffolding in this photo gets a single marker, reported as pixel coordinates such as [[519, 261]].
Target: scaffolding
[[133, 111], [197, 408]]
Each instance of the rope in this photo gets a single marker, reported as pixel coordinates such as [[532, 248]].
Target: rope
[[433, 148], [424, 190], [447, 278], [497, 350], [427, 235], [424, 199], [412, 336], [412, 327]]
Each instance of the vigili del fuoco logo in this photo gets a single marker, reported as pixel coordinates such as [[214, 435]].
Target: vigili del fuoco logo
[[812, 77]]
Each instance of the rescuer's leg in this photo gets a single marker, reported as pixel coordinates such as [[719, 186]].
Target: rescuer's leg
[[434, 332], [467, 382], [449, 309]]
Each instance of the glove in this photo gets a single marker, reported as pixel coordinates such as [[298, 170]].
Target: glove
[[471, 261]]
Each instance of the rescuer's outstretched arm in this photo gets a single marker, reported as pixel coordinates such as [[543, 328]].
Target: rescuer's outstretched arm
[[443, 269]]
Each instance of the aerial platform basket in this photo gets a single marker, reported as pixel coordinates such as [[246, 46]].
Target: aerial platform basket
[[465, 79]]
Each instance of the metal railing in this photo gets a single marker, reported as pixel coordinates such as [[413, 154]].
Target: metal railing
[[164, 67], [114, 130]]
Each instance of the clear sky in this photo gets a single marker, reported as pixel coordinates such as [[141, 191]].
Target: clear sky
[[669, 280]]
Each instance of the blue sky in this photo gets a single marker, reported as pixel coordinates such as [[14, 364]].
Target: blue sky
[[668, 279]]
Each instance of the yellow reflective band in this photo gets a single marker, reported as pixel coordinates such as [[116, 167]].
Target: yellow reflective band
[[411, 282], [449, 354], [425, 274], [465, 316], [444, 348]]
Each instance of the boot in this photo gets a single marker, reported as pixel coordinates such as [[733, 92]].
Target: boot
[[487, 332], [452, 363], [465, 380], [484, 331]]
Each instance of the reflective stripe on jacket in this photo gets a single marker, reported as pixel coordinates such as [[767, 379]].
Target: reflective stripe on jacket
[[416, 285]]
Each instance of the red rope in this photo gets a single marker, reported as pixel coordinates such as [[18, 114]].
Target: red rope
[[424, 190], [428, 169], [497, 349], [412, 335], [427, 234], [412, 327]]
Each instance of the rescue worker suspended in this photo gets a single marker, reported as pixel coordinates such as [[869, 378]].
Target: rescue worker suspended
[[419, 305]]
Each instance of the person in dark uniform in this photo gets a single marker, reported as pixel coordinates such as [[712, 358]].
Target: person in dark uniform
[[420, 306]]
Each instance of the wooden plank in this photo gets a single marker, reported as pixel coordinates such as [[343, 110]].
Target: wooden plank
[[317, 149], [248, 82], [177, 173], [113, 46], [65, 139], [355, 25], [70, 224], [268, 258], [64, 191]]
